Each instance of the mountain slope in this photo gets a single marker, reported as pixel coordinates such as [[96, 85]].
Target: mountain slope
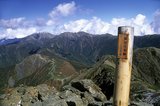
[[80, 47], [83, 47], [14, 53], [147, 65], [37, 69], [145, 72]]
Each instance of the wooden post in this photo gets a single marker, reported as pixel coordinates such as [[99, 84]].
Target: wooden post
[[124, 66]]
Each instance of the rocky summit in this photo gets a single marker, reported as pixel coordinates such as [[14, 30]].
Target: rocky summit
[[75, 69], [77, 93]]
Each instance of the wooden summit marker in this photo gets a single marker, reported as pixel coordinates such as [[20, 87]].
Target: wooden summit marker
[[124, 66]]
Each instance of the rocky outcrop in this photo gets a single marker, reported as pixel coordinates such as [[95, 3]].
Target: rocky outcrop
[[77, 93], [102, 74], [25, 96], [87, 90]]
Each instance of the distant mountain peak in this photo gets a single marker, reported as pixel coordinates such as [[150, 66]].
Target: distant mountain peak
[[40, 35], [75, 34], [6, 41]]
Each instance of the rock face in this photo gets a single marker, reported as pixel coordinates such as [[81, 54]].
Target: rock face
[[77, 93]]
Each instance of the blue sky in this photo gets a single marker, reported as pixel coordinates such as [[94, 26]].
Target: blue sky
[[18, 18], [105, 9]]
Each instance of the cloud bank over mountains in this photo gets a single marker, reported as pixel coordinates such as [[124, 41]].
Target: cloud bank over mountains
[[21, 27], [156, 22]]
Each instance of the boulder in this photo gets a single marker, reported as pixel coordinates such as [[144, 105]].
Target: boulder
[[86, 90]]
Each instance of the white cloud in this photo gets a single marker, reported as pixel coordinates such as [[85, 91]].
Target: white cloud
[[140, 19], [120, 21], [140, 24], [40, 22], [64, 9], [21, 22], [21, 27], [95, 25], [156, 22], [50, 22], [98, 26], [18, 33], [12, 23]]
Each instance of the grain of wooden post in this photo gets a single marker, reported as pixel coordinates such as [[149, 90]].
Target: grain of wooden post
[[124, 66]]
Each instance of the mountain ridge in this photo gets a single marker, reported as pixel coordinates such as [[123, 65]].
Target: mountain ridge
[[58, 60], [81, 47]]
